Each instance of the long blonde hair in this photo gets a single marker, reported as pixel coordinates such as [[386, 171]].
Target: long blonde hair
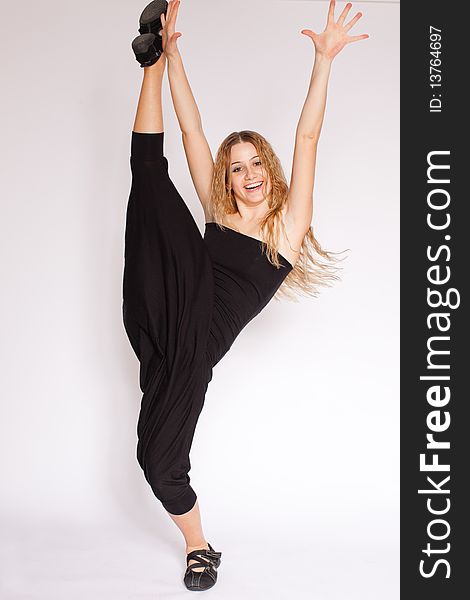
[[315, 266]]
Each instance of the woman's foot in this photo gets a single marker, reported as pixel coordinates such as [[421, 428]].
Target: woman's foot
[[150, 19], [148, 46], [191, 549], [147, 49], [201, 572]]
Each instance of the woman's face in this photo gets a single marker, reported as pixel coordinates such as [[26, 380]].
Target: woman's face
[[247, 171]]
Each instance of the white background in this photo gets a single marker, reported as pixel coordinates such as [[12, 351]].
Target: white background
[[295, 459]]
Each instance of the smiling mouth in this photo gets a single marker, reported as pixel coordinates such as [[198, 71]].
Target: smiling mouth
[[255, 187]]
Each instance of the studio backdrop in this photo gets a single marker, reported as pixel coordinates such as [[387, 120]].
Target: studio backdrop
[[298, 440]]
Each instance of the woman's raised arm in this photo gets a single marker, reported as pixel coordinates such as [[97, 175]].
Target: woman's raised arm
[[327, 45], [197, 150]]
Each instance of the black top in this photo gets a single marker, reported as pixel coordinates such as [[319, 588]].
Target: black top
[[244, 280]]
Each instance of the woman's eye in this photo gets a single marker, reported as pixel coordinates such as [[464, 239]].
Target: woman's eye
[[257, 163]]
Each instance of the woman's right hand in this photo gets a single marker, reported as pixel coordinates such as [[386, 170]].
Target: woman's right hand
[[169, 36]]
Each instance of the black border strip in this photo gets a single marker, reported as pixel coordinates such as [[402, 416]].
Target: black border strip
[[445, 251]]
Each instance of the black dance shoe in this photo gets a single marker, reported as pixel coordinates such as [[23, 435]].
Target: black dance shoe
[[148, 46], [147, 49], [150, 21], [202, 580]]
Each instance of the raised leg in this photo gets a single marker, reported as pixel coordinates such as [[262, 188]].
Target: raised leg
[[149, 116], [149, 119]]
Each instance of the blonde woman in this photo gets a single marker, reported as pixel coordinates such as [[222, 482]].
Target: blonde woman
[[187, 297]]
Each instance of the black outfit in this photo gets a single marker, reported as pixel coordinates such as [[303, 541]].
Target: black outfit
[[185, 300]]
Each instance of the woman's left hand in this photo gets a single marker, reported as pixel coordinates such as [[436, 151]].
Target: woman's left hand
[[334, 37]]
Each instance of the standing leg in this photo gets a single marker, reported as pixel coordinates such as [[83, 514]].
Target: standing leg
[[149, 120], [191, 527]]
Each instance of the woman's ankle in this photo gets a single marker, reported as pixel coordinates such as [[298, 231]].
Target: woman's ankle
[[196, 546], [157, 67]]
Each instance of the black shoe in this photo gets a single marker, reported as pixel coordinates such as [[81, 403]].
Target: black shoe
[[202, 580], [150, 21], [147, 50]]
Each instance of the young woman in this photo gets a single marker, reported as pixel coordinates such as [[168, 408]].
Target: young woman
[[187, 297]]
